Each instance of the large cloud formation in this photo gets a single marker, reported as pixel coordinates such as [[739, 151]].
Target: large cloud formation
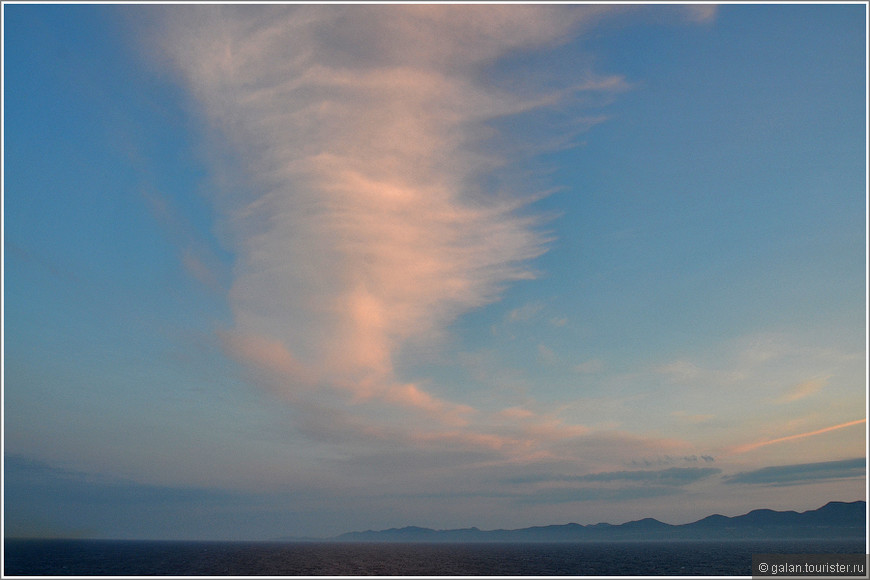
[[365, 219], [361, 129]]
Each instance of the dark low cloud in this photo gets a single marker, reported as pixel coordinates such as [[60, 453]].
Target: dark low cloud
[[802, 473], [572, 494], [43, 500], [28, 479], [672, 476], [670, 460]]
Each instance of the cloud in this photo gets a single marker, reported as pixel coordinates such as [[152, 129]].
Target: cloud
[[668, 460], [802, 473], [752, 446], [566, 495], [41, 261], [758, 377], [622, 485], [37, 477], [546, 355], [692, 417], [195, 265], [670, 476], [688, 373], [749, 359], [516, 413], [359, 141], [590, 366], [701, 12], [290, 378], [194, 254], [804, 389], [268, 356], [524, 313], [366, 226], [42, 500]]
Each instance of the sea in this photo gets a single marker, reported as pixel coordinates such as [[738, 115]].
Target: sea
[[24, 557]]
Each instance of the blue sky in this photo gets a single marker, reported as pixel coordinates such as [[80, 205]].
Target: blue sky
[[300, 270]]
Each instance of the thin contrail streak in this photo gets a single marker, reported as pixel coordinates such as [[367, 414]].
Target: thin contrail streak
[[751, 446]]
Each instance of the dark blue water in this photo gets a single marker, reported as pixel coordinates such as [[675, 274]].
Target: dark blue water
[[137, 558]]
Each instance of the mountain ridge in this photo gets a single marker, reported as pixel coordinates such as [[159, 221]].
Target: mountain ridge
[[835, 519]]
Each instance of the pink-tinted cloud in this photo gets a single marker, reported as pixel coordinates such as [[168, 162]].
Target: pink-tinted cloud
[[757, 444], [269, 356], [361, 224], [195, 257], [361, 129], [804, 389]]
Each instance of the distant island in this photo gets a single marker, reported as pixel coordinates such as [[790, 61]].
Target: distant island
[[835, 520]]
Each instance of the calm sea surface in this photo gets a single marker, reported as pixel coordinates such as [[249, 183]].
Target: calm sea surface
[[136, 558]]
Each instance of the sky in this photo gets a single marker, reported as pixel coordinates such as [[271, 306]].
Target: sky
[[279, 270]]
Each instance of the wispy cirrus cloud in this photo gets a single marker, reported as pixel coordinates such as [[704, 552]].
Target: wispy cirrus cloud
[[787, 438], [803, 389], [362, 129], [196, 258], [365, 220]]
